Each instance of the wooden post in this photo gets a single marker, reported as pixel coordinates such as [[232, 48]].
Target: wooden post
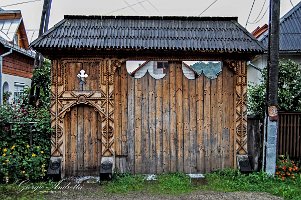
[[272, 88]]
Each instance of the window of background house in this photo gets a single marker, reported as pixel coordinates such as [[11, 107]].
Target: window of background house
[[18, 92]]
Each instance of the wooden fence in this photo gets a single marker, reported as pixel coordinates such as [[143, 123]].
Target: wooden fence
[[174, 124], [289, 134]]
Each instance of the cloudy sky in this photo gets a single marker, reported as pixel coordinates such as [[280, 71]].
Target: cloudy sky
[[240, 8]]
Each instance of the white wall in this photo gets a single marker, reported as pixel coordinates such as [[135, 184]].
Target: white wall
[[260, 62], [10, 79]]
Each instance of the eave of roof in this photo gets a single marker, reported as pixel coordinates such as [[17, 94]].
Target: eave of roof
[[5, 43]]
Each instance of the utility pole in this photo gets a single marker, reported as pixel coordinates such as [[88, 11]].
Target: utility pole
[[271, 124], [35, 87]]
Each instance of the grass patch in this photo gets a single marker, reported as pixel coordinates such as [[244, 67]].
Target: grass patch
[[173, 184], [124, 183], [166, 184], [25, 191], [232, 180]]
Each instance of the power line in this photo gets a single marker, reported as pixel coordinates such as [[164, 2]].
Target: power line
[[131, 5], [250, 13], [153, 6], [255, 22], [292, 3], [208, 7], [141, 4], [8, 5], [259, 12]]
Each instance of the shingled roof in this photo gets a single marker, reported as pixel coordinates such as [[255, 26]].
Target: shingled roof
[[210, 34], [290, 31]]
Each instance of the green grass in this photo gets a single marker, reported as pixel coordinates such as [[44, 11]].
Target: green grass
[[232, 180], [170, 184], [26, 191]]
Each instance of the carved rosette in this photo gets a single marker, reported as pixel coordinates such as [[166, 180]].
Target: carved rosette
[[240, 70], [102, 100]]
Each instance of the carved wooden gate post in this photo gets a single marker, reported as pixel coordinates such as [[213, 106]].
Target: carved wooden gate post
[[108, 69]]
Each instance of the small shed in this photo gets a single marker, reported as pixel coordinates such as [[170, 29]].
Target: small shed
[[150, 124]]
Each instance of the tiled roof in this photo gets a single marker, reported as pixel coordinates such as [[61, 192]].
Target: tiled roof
[[214, 34], [290, 31]]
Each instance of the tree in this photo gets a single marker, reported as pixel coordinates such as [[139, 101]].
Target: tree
[[289, 90], [40, 91]]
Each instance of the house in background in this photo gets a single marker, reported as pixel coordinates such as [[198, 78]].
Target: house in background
[[16, 59], [191, 69], [289, 43]]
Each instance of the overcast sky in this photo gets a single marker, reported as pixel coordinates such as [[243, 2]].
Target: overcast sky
[[237, 8]]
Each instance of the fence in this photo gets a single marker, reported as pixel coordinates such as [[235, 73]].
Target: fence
[[289, 134]]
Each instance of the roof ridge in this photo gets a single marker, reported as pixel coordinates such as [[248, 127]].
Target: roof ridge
[[144, 17]]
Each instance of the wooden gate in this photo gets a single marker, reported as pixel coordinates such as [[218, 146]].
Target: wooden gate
[[83, 141], [83, 115]]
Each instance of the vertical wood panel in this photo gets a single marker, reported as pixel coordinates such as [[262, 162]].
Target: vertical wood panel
[[213, 125], [186, 132], [93, 140], [80, 140], [231, 115], [200, 123], [131, 129], [87, 134], [192, 126], [145, 132], [138, 126], [124, 110], [118, 113], [99, 137], [152, 124], [179, 118], [173, 120], [207, 124], [68, 150], [74, 139], [167, 92], [158, 126], [220, 123]]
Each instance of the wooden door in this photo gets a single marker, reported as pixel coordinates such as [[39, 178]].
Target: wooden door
[[83, 141]]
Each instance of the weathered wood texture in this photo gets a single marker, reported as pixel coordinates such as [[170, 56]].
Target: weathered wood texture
[[176, 124], [149, 125], [82, 141]]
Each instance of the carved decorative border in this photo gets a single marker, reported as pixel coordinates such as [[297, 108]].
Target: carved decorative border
[[240, 71]]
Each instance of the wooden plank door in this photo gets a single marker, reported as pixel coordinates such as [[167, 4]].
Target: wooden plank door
[[83, 141]]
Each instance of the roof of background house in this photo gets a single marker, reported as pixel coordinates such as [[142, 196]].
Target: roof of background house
[[210, 34], [260, 30], [10, 22], [5, 43], [290, 31]]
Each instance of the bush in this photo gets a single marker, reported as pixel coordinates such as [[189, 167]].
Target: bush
[[289, 90], [286, 168], [21, 126]]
